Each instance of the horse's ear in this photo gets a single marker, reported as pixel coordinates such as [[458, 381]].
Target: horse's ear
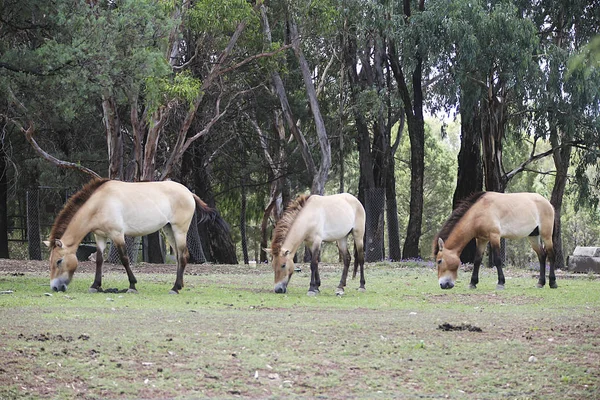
[[47, 243], [58, 243], [440, 244], [269, 253], [286, 253]]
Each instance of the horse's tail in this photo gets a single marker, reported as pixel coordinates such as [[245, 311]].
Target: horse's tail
[[209, 214], [206, 213]]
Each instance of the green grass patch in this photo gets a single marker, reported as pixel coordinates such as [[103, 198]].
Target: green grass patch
[[228, 335]]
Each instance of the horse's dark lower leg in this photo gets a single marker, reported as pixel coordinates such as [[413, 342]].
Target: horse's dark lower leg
[[475, 274], [125, 261], [498, 264], [315, 279], [361, 261], [182, 258], [552, 277], [97, 284], [541, 253], [342, 284]]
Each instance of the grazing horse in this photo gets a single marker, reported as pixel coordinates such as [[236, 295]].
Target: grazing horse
[[487, 217], [111, 209], [315, 219]]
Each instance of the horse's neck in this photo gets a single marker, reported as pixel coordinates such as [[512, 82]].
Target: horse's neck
[[295, 236], [460, 236], [75, 232]]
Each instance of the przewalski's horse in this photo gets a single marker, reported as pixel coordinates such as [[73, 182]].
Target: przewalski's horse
[[487, 217], [111, 209], [315, 219]]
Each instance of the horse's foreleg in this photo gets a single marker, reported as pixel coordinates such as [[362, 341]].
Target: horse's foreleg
[[340, 289], [122, 250], [315, 279], [479, 250], [498, 262], [97, 284]]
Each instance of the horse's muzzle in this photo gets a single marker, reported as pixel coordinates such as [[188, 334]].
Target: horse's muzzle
[[58, 285], [281, 288], [446, 285]]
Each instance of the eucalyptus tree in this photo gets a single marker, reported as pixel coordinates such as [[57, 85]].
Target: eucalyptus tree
[[376, 108], [569, 99]]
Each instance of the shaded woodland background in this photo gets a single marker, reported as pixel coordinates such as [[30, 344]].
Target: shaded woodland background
[[409, 105]]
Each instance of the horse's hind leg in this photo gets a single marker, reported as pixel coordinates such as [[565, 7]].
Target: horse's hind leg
[[495, 244], [177, 240], [536, 245], [122, 250], [100, 246], [315, 279], [343, 247], [481, 244], [359, 259]]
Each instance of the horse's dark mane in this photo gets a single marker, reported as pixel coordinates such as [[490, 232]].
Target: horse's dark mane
[[457, 214], [285, 223], [72, 206]]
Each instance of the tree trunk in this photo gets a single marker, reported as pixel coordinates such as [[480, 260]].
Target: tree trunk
[[3, 204], [114, 139], [392, 215], [562, 159], [492, 134], [413, 108], [470, 168], [215, 236], [417, 171], [320, 178], [243, 220]]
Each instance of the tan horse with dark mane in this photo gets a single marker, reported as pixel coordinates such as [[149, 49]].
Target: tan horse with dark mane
[[315, 219], [111, 209], [487, 217]]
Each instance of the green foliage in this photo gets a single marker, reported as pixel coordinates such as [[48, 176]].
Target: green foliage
[[160, 90], [215, 17], [438, 186]]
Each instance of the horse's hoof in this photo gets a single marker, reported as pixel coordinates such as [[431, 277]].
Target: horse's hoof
[[553, 286], [173, 291], [132, 291], [94, 290], [361, 289], [471, 286], [539, 285], [339, 292], [499, 287], [312, 293]]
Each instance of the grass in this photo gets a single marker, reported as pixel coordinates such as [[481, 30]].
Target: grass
[[227, 335]]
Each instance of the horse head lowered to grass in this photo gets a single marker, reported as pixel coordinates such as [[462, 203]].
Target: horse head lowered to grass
[[111, 209], [315, 219], [487, 217]]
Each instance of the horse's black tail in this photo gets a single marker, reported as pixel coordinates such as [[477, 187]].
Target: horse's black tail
[[209, 214]]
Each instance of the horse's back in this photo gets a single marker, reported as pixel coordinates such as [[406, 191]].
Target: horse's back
[[336, 214], [518, 214], [145, 207]]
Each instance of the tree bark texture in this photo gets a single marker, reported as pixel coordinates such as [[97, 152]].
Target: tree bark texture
[[320, 178], [562, 159], [114, 139], [470, 167], [3, 203]]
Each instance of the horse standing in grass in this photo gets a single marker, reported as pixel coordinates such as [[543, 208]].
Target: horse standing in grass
[[487, 217], [111, 209], [315, 219]]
